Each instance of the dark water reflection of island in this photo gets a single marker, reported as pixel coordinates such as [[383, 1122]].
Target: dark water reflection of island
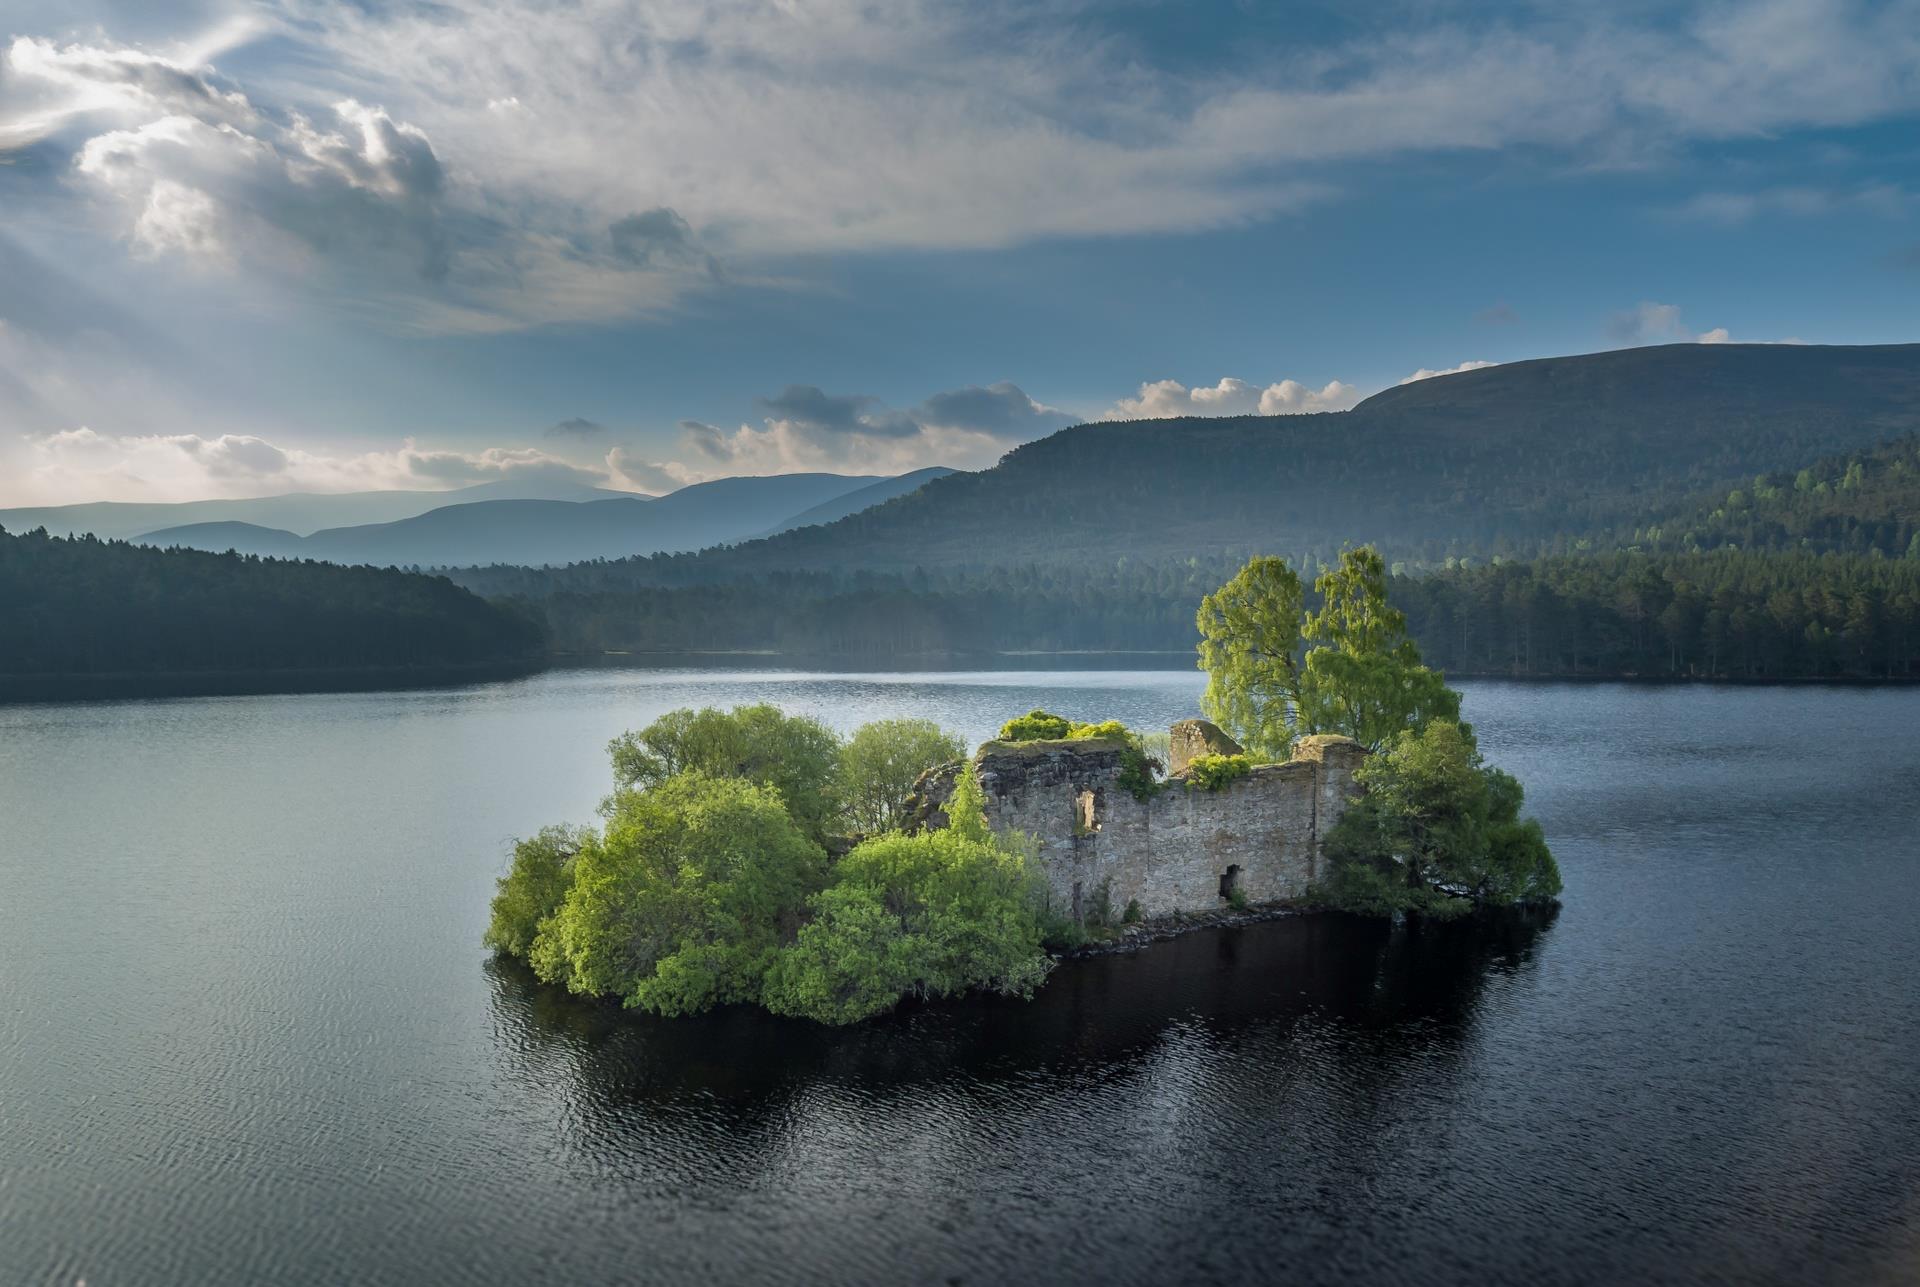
[[1102, 1014], [1224, 1102]]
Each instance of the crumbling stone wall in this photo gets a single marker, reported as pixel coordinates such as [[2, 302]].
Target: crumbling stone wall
[[1193, 737], [1181, 850]]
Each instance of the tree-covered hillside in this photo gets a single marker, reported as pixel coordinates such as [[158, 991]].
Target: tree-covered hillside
[[1724, 614], [1518, 460], [1856, 503], [82, 606]]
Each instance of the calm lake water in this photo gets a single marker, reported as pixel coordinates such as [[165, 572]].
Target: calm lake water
[[247, 1033]]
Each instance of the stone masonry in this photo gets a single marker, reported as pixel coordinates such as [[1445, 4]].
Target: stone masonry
[[1184, 849]]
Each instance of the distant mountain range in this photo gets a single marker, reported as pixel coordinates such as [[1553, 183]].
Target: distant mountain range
[[1521, 459], [583, 525], [296, 512], [859, 499]]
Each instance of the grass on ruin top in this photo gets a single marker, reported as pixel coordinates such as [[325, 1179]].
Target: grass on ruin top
[[1041, 746]]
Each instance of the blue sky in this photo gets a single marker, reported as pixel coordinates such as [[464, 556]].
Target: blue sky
[[333, 245]]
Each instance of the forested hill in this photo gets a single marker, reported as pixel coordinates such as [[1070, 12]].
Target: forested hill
[[1725, 614], [1521, 459], [1861, 502], [71, 609]]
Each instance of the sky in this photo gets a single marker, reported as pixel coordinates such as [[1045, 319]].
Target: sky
[[334, 245]]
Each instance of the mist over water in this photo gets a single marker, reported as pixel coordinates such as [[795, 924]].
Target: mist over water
[[247, 1032]]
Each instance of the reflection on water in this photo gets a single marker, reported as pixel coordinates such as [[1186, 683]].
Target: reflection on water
[[1108, 1011], [247, 1033], [1206, 1059]]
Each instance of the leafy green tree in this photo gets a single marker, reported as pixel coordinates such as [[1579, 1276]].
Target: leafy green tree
[[1276, 673], [926, 915], [534, 887], [880, 764], [1362, 675], [796, 755], [1436, 832], [1250, 649], [686, 900]]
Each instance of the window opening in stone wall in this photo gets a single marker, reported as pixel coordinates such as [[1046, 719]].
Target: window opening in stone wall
[[1085, 818], [1230, 881]]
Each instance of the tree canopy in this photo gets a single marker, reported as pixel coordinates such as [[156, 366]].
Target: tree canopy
[[1436, 831], [706, 888], [925, 915], [797, 756], [684, 901], [1276, 672], [880, 764]]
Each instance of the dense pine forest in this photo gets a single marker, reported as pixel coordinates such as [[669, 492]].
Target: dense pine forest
[[84, 607], [1724, 614]]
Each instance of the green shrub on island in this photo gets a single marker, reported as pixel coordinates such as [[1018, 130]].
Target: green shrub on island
[[833, 789], [535, 886], [880, 765], [796, 755], [1036, 726], [685, 899], [1045, 726], [1215, 772], [707, 887], [927, 915], [1437, 832]]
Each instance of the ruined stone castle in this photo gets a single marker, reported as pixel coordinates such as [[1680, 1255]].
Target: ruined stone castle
[[1181, 849]]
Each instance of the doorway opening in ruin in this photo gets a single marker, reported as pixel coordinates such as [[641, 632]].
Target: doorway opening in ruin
[[1230, 881]]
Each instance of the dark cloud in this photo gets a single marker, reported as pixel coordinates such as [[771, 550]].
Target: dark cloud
[[576, 427], [1003, 410], [817, 412], [705, 440], [644, 474], [659, 239]]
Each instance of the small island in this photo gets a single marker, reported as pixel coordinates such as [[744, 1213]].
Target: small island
[[751, 856]]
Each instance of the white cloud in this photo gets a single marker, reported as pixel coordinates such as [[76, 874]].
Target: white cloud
[[806, 428], [82, 464], [1427, 372], [1650, 323], [802, 428], [1881, 199], [344, 196], [1163, 399], [1653, 323], [535, 161]]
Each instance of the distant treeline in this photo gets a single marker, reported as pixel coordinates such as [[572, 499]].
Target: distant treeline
[[1720, 615], [86, 607]]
